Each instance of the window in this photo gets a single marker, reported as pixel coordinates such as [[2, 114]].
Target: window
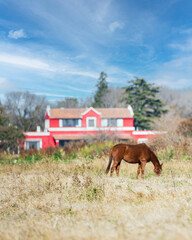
[[142, 140], [32, 144], [112, 122], [91, 122], [70, 122]]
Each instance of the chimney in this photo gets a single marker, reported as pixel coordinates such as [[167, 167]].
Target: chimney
[[48, 110], [38, 129], [130, 109]]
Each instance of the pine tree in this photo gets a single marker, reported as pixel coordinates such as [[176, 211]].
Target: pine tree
[[102, 89], [142, 97]]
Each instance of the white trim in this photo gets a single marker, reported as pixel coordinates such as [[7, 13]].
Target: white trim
[[74, 129], [91, 118], [104, 122], [89, 109], [142, 140], [47, 124], [147, 132], [37, 134], [131, 110], [48, 110], [119, 122], [60, 122], [79, 123]]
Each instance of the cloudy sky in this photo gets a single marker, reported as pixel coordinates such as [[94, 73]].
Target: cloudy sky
[[58, 48]]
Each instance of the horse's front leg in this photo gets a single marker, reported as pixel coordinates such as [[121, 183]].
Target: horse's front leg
[[138, 170], [143, 163]]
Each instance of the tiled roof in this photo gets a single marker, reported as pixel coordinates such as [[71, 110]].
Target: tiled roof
[[114, 112], [81, 136], [69, 137], [77, 112], [66, 112]]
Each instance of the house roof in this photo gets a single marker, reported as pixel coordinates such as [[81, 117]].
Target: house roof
[[77, 112], [69, 137], [83, 137]]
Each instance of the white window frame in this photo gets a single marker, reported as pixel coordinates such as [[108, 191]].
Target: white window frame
[[79, 123], [120, 122], [91, 118], [33, 140], [142, 140], [104, 122], [61, 123]]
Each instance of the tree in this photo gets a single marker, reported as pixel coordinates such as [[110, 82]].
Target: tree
[[68, 103], [3, 116], [142, 97], [26, 110], [10, 136], [113, 97], [86, 102], [102, 89], [185, 127], [179, 102]]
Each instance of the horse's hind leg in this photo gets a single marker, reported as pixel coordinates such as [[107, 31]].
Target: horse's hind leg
[[143, 163], [117, 168], [115, 163], [138, 170]]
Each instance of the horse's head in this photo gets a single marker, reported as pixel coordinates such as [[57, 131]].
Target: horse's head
[[158, 169]]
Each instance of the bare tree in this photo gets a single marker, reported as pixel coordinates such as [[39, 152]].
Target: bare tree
[[68, 103], [113, 98], [85, 102], [179, 102], [25, 110]]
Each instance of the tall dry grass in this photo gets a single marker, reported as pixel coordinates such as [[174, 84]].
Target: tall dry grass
[[76, 200]]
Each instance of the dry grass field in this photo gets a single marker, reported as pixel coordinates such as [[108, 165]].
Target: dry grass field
[[76, 200]]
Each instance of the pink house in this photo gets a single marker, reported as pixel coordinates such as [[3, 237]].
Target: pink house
[[69, 124]]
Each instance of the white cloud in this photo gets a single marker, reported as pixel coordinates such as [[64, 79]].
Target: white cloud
[[17, 34], [186, 46], [186, 31], [116, 25], [81, 73], [52, 95], [5, 84], [24, 62], [174, 74], [2, 81], [79, 89]]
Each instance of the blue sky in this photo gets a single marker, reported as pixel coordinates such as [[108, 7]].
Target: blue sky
[[58, 48]]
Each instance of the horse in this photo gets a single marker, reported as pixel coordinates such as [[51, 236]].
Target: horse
[[139, 153]]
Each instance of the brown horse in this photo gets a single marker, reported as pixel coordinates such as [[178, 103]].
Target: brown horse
[[139, 153]]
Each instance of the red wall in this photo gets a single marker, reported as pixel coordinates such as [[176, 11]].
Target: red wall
[[46, 116], [54, 123], [47, 141], [128, 122]]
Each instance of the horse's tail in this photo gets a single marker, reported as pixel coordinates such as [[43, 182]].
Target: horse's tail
[[110, 161]]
